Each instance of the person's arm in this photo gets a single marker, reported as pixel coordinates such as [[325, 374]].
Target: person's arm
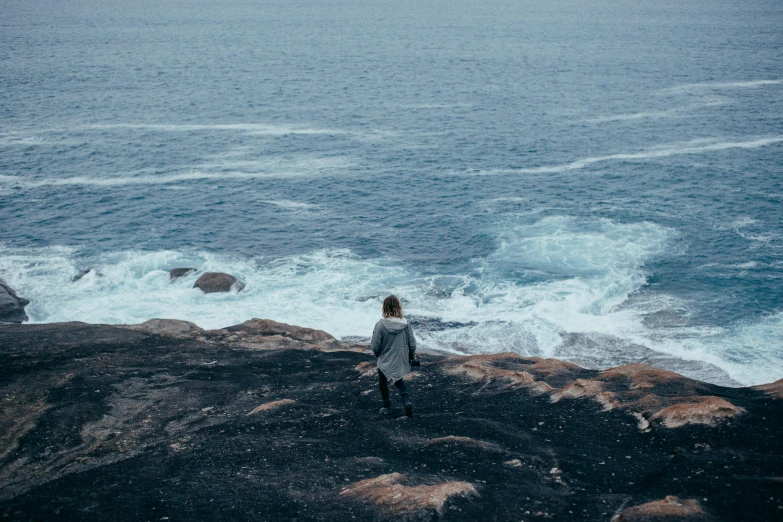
[[411, 343], [375, 343]]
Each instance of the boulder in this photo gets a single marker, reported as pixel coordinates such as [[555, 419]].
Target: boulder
[[176, 273], [212, 282], [264, 327], [171, 327], [11, 305]]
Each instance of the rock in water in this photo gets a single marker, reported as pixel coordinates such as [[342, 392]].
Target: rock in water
[[217, 282], [83, 273], [11, 305], [176, 273]]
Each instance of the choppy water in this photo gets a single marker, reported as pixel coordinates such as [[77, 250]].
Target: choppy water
[[600, 181]]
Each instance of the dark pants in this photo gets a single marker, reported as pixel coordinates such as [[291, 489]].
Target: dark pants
[[383, 384]]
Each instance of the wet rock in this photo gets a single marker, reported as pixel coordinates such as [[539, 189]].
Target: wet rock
[[11, 305], [212, 282], [670, 508], [176, 273], [389, 495], [83, 273], [266, 327]]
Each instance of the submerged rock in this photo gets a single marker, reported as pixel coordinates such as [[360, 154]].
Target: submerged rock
[[176, 273], [212, 282], [11, 305]]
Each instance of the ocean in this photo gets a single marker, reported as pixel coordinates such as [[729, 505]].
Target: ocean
[[600, 182]]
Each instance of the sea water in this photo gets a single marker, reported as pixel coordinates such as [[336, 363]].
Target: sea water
[[595, 181]]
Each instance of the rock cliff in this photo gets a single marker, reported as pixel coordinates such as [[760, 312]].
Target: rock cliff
[[268, 421]]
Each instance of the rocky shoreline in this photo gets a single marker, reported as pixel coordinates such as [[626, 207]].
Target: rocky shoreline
[[267, 421]]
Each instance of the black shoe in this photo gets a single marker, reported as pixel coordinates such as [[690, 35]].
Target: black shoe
[[408, 409]]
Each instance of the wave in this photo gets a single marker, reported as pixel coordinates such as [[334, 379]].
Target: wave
[[700, 146], [544, 284]]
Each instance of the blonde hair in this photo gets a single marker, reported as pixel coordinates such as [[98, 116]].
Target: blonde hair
[[392, 307]]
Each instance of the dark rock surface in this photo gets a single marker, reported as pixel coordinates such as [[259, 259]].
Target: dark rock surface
[[211, 282], [11, 305], [263, 421], [176, 273]]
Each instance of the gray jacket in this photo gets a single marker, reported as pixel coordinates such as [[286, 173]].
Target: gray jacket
[[394, 345]]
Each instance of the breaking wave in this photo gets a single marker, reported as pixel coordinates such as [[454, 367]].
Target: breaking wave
[[560, 287]]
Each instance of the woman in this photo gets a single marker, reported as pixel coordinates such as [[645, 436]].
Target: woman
[[394, 345]]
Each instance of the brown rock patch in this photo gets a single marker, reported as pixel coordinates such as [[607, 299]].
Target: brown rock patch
[[586, 388], [708, 410], [641, 376], [267, 327], [392, 497], [775, 388], [669, 508], [267, 406], [454, 439], [172, 327]]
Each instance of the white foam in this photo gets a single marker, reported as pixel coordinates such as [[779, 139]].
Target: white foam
[[712, 101], [268, 168], [557, 276], [250, 128], [636, 116], [710, 86], [162, 179], [287, 204], [701, 146]]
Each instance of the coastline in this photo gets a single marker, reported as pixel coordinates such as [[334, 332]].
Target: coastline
[[266, 421]]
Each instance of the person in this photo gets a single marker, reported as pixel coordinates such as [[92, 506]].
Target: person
[[394, 345]]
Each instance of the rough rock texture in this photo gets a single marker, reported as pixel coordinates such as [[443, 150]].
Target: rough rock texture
[[136, 423], [212, 282], [176, 273], [670, 508], [11, 305]]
